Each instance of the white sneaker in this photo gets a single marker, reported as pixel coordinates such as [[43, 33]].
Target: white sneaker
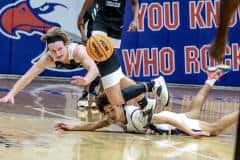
[[147, 113], [160, 89], [82, 103], [150, 108]]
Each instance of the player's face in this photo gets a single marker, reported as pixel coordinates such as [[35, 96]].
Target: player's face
[[58, 51], [113, 112]]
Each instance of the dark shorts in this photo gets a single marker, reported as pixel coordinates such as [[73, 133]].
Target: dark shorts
[[111, 72], [112, 27], [109, 66]]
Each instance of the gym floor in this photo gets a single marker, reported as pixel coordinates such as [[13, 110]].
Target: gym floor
[[27, 132]]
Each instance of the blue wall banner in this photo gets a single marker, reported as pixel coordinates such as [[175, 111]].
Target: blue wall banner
[[172, 40]]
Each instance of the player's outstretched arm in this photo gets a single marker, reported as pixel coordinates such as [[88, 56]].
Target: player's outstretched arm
[[91, 126]]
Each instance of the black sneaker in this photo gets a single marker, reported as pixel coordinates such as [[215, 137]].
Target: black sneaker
[[84, 95]]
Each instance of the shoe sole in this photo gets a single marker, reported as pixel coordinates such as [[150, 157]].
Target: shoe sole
[[163, 90], [223, 67]]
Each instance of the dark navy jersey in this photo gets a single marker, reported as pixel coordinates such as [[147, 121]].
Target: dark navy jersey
[[112, 9]]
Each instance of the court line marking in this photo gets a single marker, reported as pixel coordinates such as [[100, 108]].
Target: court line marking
[[51, 113]]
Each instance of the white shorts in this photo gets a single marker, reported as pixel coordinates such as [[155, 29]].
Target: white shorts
[[116, 42], [180, 117], [112, 78]]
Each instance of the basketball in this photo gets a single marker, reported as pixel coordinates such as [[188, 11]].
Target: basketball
[[99, 48]]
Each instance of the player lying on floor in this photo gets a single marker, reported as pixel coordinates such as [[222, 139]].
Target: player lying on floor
[[131, 119]]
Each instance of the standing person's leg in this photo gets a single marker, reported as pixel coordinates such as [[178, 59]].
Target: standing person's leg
[[214, 73], [237, 142], [217, 127], [227, 9]]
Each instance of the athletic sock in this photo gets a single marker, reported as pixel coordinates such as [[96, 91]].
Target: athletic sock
[[211, 82]]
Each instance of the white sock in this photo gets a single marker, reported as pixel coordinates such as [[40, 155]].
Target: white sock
[[210, 82]]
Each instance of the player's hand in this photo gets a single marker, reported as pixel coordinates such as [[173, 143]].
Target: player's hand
[[79, 80], [150, 131], [62, 126], [133, 26], [200, 134], [8, 99]]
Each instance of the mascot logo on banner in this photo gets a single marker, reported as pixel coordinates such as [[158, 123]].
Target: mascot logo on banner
[[35, 17]]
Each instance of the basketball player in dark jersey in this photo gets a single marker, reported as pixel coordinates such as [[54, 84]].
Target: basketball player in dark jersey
[[109, 21], [88, 20], [109, 18]]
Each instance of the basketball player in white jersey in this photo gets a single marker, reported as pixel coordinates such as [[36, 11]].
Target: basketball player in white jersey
[[61, 53], [131, 119]]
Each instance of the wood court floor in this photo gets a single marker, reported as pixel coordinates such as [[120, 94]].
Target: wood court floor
[[27, 133]]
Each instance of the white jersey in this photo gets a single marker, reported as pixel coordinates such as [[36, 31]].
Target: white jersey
[[136, 121], [71, 46], [73, 64]]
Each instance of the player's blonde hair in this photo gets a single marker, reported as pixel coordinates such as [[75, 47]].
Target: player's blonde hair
[[56, 32]]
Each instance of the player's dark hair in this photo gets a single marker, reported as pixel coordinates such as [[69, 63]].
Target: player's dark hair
[[101, 102]]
